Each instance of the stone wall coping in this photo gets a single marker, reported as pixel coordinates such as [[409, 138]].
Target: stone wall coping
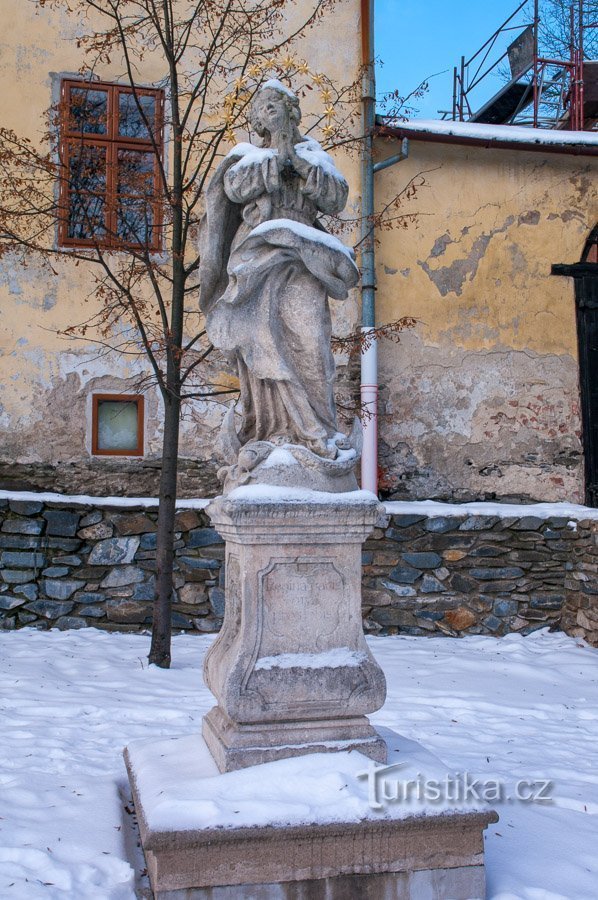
[[425, 508], [49, 498]]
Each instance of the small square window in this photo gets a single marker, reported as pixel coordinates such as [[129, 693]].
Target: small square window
[[117, 425]]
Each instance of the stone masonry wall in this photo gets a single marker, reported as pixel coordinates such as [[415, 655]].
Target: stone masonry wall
[[69, 564], [481, 574]]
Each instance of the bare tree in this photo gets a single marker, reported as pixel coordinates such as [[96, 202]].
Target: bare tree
[[133, 220]]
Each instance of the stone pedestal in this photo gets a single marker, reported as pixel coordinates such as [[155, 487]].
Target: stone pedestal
[[291, 670], [297, 829]]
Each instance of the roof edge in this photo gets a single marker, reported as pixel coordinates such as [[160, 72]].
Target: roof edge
[[418, 134]]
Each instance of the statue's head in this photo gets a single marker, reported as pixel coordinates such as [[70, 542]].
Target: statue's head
[[274, 108]]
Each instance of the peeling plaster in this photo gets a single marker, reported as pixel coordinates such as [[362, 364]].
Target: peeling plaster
[[450, 279]]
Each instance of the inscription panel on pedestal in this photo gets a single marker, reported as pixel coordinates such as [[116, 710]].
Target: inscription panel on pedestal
[[304, 607]]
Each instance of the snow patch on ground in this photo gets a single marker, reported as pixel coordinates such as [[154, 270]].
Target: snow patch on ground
[[510, 708]]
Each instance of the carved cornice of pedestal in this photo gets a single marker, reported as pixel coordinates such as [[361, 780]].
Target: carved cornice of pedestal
[[323, 517]]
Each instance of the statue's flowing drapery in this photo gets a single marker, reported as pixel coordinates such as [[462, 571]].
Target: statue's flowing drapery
[[266, 274]]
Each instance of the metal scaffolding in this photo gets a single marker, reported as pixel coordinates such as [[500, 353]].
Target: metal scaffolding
[[541, 92]]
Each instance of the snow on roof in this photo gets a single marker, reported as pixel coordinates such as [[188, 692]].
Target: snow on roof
[[512, 134]]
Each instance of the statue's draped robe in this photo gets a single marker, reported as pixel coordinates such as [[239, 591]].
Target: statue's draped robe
[[270, 312]]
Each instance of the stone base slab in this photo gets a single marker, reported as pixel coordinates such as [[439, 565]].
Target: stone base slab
[[191, 854], [236, 746]]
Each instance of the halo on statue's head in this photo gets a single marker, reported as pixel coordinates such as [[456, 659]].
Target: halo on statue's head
[[291, 102]]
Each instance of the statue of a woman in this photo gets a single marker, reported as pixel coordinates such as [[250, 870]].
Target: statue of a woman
[[267, 270]]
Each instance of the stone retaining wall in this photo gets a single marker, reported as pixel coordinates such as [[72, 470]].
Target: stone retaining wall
[[70, 564]]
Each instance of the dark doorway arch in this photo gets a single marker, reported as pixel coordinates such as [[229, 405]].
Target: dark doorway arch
[[585, 275]]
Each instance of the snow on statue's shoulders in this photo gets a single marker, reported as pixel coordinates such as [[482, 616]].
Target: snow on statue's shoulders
[[310, 151], [248, 154], [307, 232]]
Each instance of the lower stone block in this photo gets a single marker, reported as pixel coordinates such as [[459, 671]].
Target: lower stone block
[[199, 845]]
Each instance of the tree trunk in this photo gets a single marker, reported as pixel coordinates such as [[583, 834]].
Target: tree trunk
[[159, 653]]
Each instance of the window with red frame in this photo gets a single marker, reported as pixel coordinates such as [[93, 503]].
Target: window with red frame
[[110, 147]]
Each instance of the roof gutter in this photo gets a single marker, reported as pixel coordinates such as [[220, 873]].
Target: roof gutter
[[403, 131]]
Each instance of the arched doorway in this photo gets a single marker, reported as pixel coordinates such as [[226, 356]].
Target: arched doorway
[[585, 273]]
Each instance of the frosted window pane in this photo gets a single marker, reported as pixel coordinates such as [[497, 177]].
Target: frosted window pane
[[117, 425]]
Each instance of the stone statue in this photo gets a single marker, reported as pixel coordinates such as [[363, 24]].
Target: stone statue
[[267, 270]]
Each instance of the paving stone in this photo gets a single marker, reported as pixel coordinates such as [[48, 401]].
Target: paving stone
[[62, 543], [431, 585], [56, 571], [19, 542], [8, 601], [424, 560], [66, 560], [148, 541], [441, 524], [496, 572], [405, 574], [546, 601], [528, 523], [64, 623], [186, 520], [194, 563], [406, 521], [62, 522], [505, 607], [133, 523], [487, 550], [454, 555], [61, 589], [114, 551], [193, 593], [478, 523], [202, 537], [23, 526], [401, 590], [50, 609], [94, 612], [91, 518], [217, 601], [122, 575], [127, 611], [30, 591], [492, 623], [23, 560], [18, 576], [429, 614], [145, 591], [26, 507], [96, 532], [463, 583], [177, 620], [396, 535], [208, 625]]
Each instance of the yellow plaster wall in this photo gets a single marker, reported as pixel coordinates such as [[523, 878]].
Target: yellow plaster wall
[[481, 399], [475, 264]]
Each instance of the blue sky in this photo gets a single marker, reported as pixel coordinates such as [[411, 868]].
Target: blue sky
[[418, 38]]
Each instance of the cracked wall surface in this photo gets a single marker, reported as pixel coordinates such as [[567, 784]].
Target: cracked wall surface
[[481, 399]]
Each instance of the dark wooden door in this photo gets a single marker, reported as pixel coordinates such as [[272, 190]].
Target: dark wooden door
[[586, 296]]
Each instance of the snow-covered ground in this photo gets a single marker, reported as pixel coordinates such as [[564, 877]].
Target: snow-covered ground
[[499, 709]]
